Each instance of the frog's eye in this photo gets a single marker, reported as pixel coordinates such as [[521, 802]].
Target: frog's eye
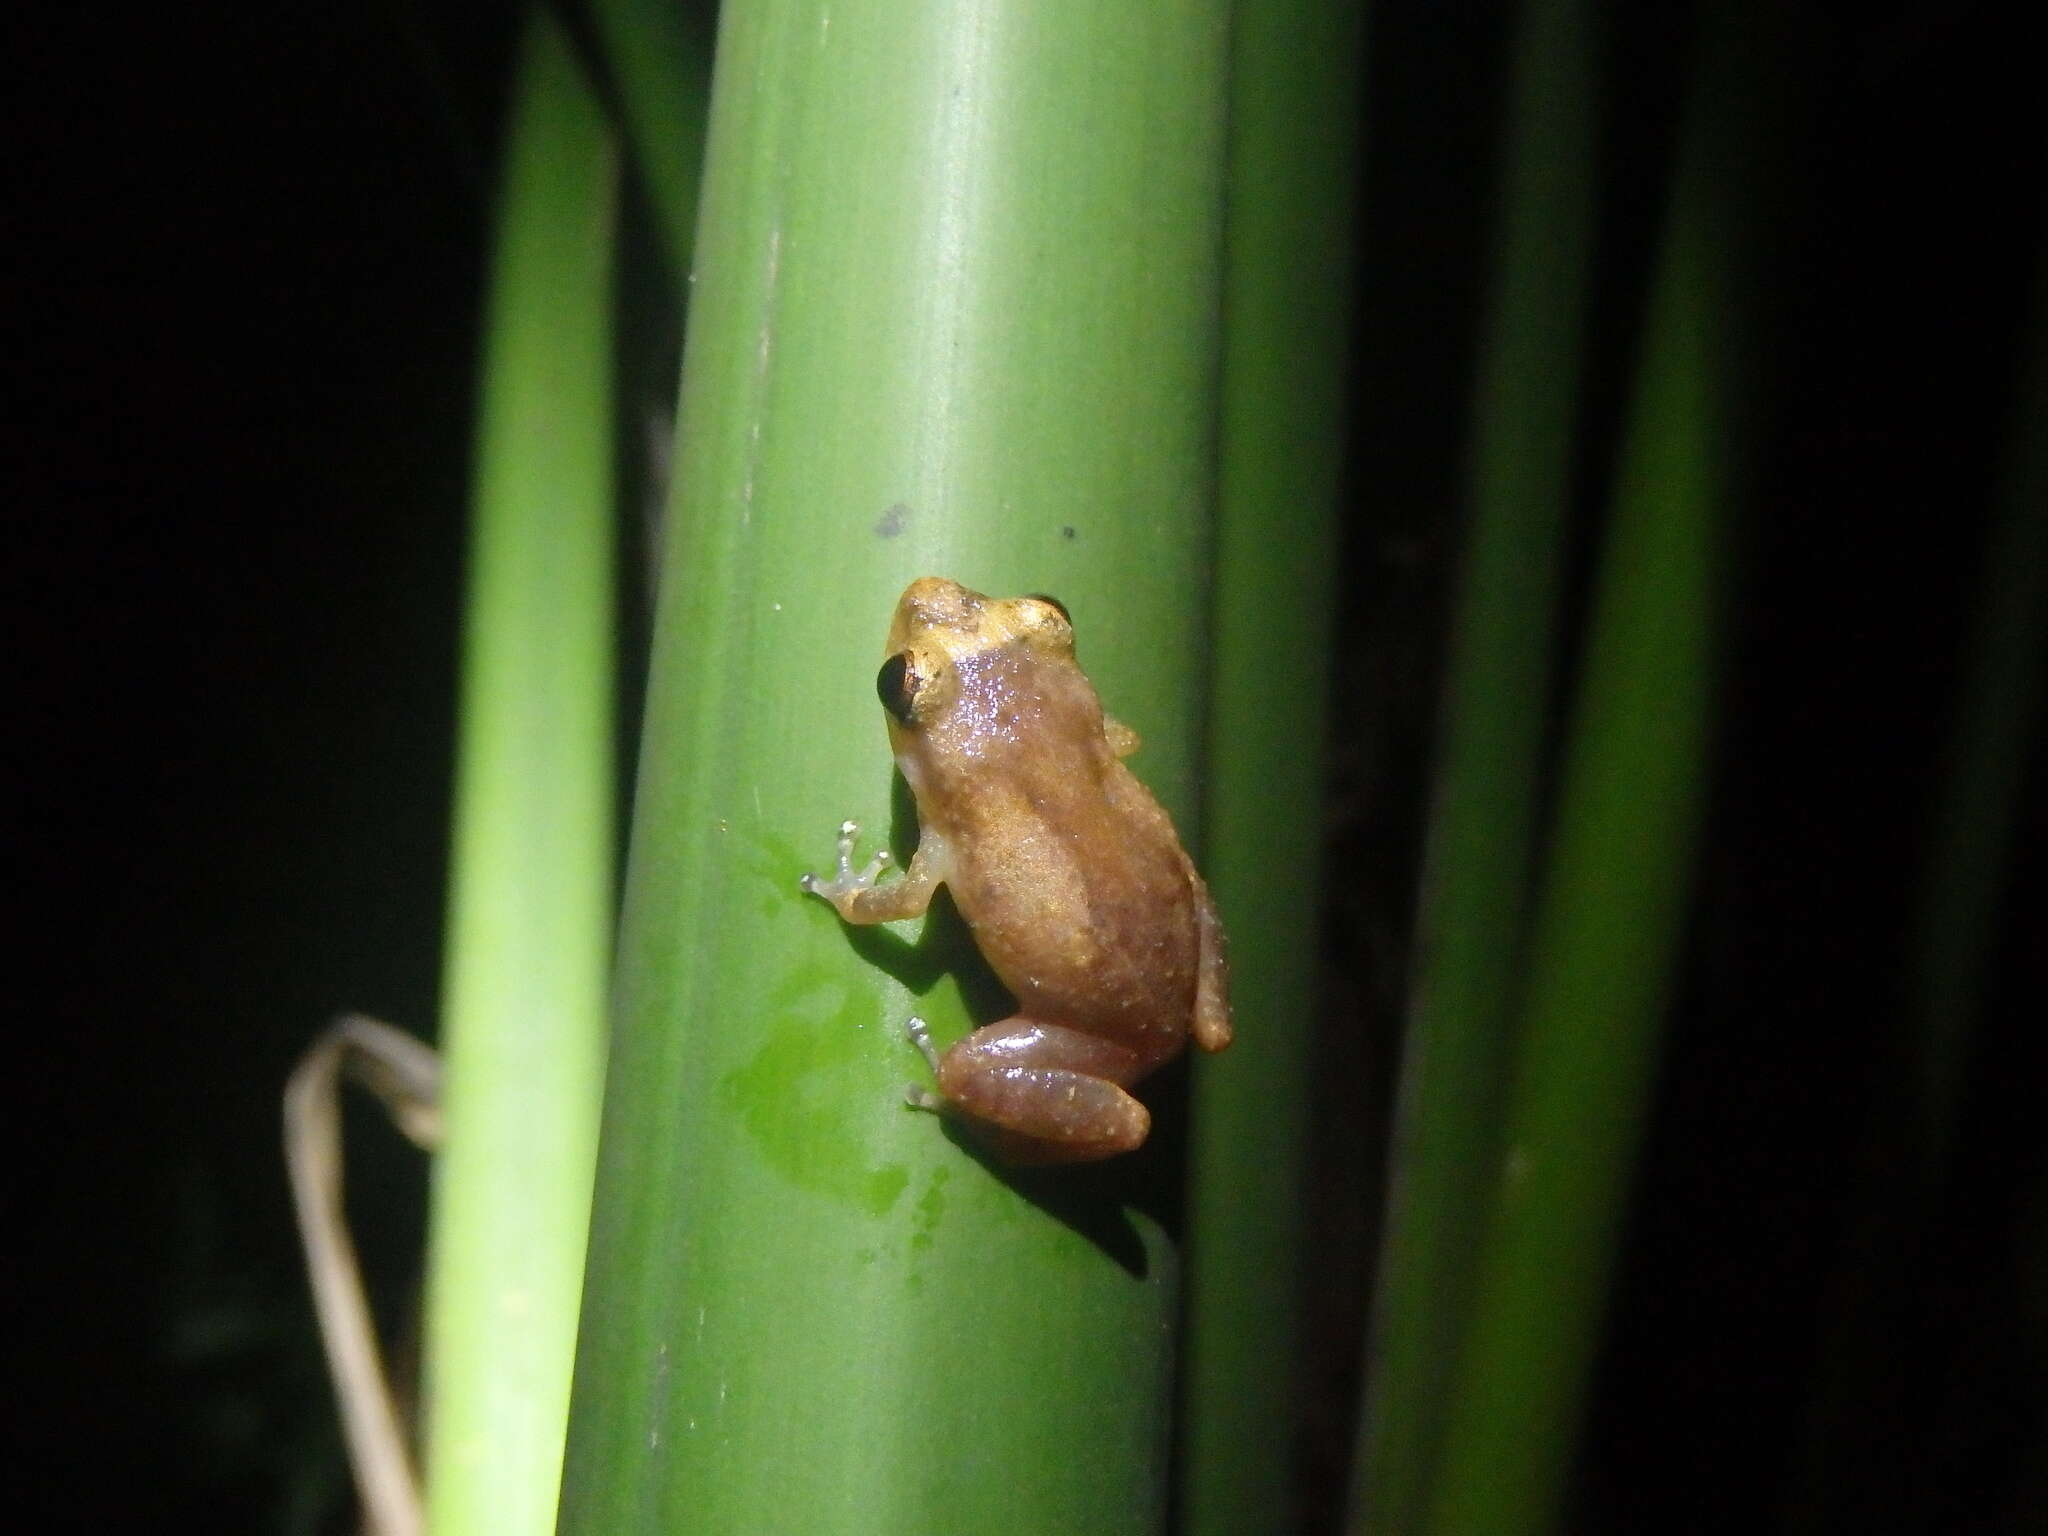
[[1044, 624], [896, 685]]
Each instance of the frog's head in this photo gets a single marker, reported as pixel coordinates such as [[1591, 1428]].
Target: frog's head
[[948, 642]]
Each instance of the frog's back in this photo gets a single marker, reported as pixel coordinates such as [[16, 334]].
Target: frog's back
[[1082, 900]]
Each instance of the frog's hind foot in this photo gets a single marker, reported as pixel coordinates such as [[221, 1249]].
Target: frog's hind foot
[[916, 1095], [920, 1034]]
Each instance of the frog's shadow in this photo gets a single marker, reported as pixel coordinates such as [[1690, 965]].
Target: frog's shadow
[[1093, 1199]]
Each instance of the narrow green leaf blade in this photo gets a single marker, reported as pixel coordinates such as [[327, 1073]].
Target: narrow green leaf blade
[[659, 56], [1294, 134], [531, 887], [1612, 905], [1483, 835]]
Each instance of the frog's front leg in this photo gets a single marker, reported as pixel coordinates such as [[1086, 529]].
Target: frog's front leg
[[1050, 1094], [861, 900]]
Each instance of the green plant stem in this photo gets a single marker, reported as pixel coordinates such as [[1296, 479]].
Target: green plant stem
[[1471, 929], [954, 314], [1991, 747], [1609, 917], [1908, 1142], [531, 887], [1293, 149], [659, 55]]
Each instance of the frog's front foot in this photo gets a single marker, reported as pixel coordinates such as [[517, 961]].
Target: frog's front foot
[[845, 885]]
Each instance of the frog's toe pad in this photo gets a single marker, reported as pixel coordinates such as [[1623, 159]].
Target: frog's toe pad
[[845, 883]]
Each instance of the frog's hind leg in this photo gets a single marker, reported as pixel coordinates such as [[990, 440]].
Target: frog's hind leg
[[1052, 1095]]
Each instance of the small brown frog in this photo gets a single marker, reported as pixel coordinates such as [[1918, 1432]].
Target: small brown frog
[[1066, 869]]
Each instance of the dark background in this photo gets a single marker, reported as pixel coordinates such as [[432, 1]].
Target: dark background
[[244, 265]]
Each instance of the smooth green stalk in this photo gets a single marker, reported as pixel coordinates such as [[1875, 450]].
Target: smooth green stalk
[[659, 57], [1989, 753], [1471, 928], [529, 916], [955, 313], [1293, 147], [1611, 909], [1908, 1144]]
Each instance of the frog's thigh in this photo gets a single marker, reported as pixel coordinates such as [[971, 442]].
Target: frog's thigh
[[1052, 1085]]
